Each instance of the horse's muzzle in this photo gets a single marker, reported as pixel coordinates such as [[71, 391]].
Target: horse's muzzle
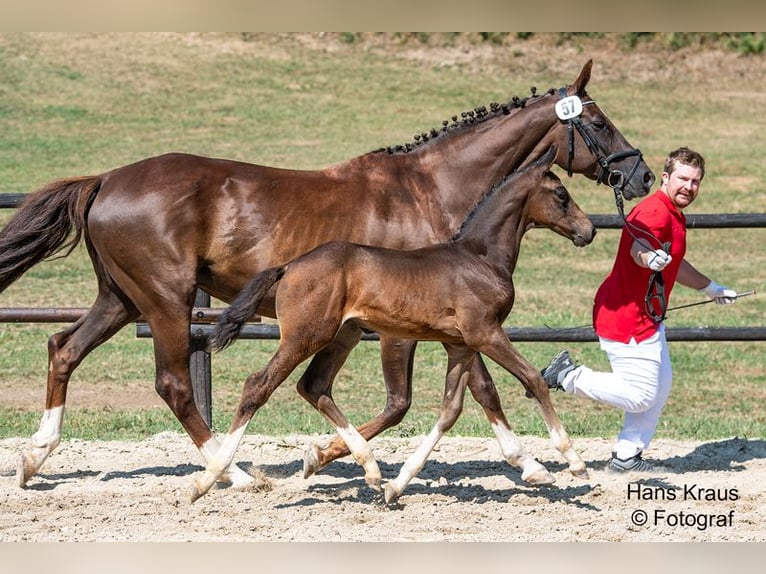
[[585, 238]]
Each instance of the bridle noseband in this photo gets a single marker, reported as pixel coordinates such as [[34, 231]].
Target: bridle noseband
[[569, 109]]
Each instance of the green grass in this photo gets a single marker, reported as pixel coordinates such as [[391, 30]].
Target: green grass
[[74, 104]]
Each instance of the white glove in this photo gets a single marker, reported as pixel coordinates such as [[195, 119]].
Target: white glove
[[658, 260], [722, 295]]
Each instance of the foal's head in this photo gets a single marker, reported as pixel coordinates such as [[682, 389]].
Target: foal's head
[[550, 205]]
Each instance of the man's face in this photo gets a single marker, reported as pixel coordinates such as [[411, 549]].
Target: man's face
[[682, 186]]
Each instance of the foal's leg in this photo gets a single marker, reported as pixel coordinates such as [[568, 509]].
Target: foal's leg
[[458, 369], [295, 346], [485, 393], [66, 350], [497, 347], [315, 386], [397, 358]]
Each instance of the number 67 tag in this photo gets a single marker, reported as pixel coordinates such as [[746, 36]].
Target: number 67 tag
[[569, 107]]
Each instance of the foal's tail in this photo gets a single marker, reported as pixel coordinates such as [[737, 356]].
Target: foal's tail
[[42, 225], [245, 305]]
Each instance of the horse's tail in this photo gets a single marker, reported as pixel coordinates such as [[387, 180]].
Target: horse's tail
[[244, 306], [42, 224]]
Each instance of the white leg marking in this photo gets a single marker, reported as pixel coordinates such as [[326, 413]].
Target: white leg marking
[[513, 451], [44, 441], [218, 463], [233, 475], [413, 465], [362, 453], [49, 432]]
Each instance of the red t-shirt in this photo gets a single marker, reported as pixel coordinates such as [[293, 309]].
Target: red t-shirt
[[619, 311]]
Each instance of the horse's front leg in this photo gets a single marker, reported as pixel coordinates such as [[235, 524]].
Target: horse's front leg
[[396, 356], [458, 368], [497, 347], [484, 391]]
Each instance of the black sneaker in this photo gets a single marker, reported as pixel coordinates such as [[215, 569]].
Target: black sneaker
[[559, 367], [633, 464]]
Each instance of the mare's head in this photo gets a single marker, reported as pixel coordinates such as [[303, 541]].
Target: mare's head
[[589, 143], [549, 204]]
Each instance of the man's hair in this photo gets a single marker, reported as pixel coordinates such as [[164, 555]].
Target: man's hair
[[684, 155]]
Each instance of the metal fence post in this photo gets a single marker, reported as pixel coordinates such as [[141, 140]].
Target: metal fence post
[[200, 366]]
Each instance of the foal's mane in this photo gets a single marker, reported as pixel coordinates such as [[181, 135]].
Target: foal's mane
[[466, 119], [482, 200], [489, 194]]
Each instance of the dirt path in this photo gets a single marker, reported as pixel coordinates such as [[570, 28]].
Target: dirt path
[[139, 491]]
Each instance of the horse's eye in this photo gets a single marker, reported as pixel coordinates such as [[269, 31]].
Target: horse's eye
[[599, 124], [562, 194]]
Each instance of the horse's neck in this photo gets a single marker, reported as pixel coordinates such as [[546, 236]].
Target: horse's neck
[[498, 225], [466, 163]]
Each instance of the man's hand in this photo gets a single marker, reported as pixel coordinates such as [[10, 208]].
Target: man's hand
[[657, 260], [720, 294]]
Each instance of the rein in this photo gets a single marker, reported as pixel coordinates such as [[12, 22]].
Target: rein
[[569, 109]]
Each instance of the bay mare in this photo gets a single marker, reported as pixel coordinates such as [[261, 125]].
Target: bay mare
[[159, 229], [458, 293]]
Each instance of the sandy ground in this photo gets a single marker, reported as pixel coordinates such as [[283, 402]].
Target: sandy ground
[[139, 491]]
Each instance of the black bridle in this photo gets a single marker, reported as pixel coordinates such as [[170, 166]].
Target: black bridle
[[655, 301], [613, 178]]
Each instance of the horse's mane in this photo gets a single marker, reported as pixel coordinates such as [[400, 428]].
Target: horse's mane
[[482, 200], [466, 119]]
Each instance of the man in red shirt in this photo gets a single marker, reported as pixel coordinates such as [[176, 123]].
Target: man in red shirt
[[629, 308]]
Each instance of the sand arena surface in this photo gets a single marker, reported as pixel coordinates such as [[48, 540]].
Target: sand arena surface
[[139, 491]]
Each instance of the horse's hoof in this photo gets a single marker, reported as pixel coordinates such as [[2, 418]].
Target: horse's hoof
[[539, 478], [390, 493], [202, 485], [235, 478], [373, 482], [195, 494], [580, 472], [25, 469], [311, 461]]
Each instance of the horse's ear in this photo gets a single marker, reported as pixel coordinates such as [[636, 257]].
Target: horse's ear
[[543, 162], [548, 157], [582, 80]]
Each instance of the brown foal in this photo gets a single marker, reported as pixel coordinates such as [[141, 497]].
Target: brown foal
[[458, 293]]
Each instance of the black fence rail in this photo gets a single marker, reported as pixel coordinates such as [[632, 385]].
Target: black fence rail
[[203, 315]]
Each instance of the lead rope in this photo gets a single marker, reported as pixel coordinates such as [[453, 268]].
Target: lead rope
[[616, 180]]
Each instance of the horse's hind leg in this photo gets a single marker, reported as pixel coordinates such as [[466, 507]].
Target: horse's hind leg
[[458, 369], [293, 349], [315, 386], [397, 359], [497, 347], [485, 393], [66, 350], [170, 333]]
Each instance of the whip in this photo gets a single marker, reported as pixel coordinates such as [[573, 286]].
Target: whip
[[737, 296]]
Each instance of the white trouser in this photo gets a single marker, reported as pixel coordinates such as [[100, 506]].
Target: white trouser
[[639, 384]]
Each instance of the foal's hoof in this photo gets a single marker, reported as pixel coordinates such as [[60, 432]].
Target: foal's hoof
[[539, 478], [390, 493], [373, 482], [311, 461], [579, 472], [202, 485]]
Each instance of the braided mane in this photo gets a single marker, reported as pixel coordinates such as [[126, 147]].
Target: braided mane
[[469, 118]]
